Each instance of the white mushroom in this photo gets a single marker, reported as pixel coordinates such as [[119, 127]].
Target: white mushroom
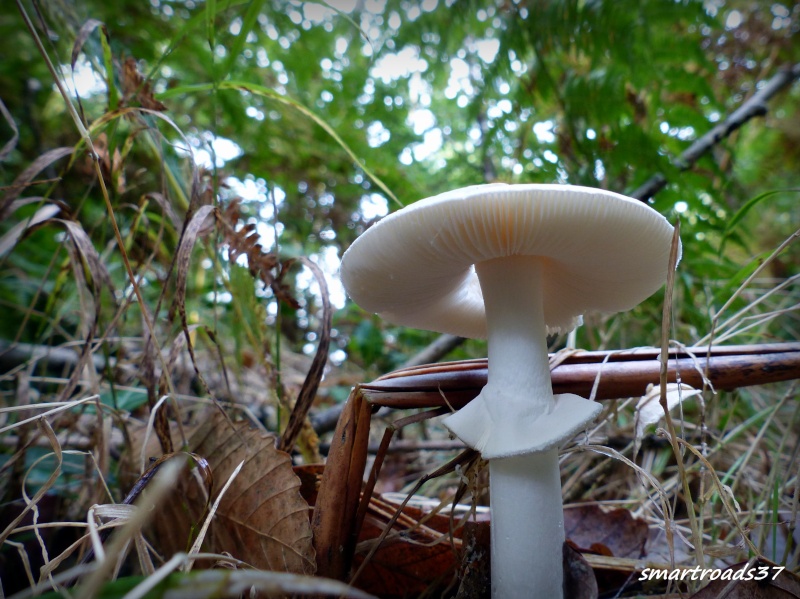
[[512, 263]]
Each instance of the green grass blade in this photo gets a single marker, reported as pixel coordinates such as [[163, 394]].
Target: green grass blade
[[248, 22], [744, 210], [271, 94], [211, 15]]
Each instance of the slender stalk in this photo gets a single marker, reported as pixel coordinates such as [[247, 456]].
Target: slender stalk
[[519, 371], [517, 424], [499, 422], [527, 526]]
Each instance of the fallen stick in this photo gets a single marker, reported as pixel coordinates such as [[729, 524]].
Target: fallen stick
[[618, 374]]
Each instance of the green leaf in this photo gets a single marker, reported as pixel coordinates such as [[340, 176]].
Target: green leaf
[[211, 30], [367, 341], [748, 206], [108, 63], [248, 22]]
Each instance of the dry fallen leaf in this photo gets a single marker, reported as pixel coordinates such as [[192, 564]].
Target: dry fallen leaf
[[579, 578], [649, 410], [614, 533], [261, 519], [416, 560]]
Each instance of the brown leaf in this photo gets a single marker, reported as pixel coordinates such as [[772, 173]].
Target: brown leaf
[[615, 533], [579, 579], [184, 254], [410, 563], [310, 476], [91, 258], [245, 242], [110, 167], [311, 383], [182, 259], [340, 489], [773, 583], [261, 519]]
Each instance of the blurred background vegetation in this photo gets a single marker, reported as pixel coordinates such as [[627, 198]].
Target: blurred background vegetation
[[418, 95], [305, 122]]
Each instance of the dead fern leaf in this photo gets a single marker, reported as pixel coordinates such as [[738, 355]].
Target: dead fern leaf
[[261, 264], [135, 87]]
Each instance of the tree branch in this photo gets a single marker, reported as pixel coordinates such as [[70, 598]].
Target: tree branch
[[753, 107]]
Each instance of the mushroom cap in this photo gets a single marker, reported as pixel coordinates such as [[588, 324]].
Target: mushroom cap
[[600, 251]]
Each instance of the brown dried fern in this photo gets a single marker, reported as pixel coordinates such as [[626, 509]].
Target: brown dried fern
[[263, 265], [267, 267]]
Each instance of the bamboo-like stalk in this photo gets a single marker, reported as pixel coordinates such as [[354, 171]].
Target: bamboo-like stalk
[[623, 374]]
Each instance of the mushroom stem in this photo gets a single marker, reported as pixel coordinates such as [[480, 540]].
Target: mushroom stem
[[517, 424], [519, 372], [501, 420], [527, 526], [527, 517]]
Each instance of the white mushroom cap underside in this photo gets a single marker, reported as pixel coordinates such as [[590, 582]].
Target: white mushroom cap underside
[[600, 251]]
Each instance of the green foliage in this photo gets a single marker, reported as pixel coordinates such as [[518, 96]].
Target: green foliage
[[317, 104], [316, 119]]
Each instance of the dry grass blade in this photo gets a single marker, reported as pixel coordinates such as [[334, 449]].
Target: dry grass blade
[[206, 584], [157, 422], [182, 259], [166, 206], [123, 511], [666, 323], [724, 496], [11, 143], [463, 460], [26, 176], [184, 254], [157, 491], [198, 543], [709, 339], [89, 254], [31, 503], [58, 406], [311, 383], [83, 35], [13, 235]]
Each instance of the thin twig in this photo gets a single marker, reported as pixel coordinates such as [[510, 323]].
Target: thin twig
[[753, 107]]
